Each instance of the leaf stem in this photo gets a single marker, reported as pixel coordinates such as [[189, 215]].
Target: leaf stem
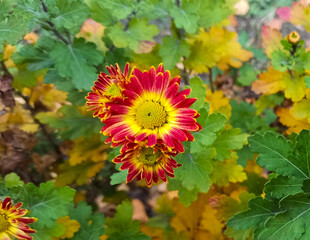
[[52, 25], [211, 80]]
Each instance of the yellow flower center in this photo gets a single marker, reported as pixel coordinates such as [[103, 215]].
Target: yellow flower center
[[148, 157], [113, 90], [150, 115], [4, 223]]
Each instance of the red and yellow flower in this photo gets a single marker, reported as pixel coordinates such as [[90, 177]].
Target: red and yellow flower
[[153, 109], [149, 163], [108, 87], [12, 222]]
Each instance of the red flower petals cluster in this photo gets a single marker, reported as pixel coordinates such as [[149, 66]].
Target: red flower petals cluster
[[12, 221], [146, 114]]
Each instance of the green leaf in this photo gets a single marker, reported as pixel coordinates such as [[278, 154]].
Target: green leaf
[[229, 139], [186, 196], [195, 170], [139, 30], [72, 124], [118, 177], [280, 61], [122, 225], [36, 57], [282, 186], [244, 116], [276, 154], [244, 155], [46, 202], [154, 9], [69, 15], [247, 75], [92, 225], [212, 12], [290, 224], [172, 50], [307, 81], [259, 211], [199, 91], [214, 123], [186, 16], [13, 180], [101, 14], [12, 29], [77, 61]]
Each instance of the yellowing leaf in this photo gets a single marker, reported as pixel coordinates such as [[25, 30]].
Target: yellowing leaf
[[188, 219], [32, 37], [18, 118], [217, 47], [80, 173], [271, 40], [212, 224], [301, 110], [229, 171], [218, 103], [273, 81], [88, 150], [7, 53], [268, 83], [300, 15], [72, 226], [287, 119], [46, 94], [253, 167], [93, 31]]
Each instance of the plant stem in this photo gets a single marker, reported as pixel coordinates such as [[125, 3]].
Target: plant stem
[[211, 80]]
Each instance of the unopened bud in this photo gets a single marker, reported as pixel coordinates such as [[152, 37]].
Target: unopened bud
[[293, 37]]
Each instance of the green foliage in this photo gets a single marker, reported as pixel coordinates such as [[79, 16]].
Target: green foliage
[[172, 50], [69, 122], [122, 226], [77, 61], [139, 30], [286, 204], [92, 225]]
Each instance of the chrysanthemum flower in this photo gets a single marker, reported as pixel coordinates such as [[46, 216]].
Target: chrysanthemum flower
[[12, 222], [153, 109], [149, 163], [107, 88]]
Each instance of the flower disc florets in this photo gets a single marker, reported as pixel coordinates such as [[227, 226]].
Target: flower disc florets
[[12, 222]]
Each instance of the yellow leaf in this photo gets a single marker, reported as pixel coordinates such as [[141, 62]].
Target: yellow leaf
[[18, 118], [273, 81], [46, 94], [227, 206], [32, 37], [104, 237], [188, 219], [93, 31], [72, 226], [253, 167], [230, 172], [301, 110], [156, 233], [216, 47], [287, 119], [218, 103], [7, 53], [80, 173], [88, 150], [271, 40], [300, 15], [268, 83]]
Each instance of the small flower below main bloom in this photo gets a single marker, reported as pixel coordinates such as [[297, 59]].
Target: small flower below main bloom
[[12, 221], [149, 163]]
